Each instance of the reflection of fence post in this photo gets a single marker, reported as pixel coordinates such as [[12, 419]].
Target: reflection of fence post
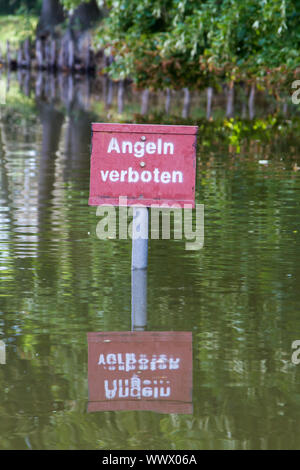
[[2, 353], [138, 299], [26, 85]]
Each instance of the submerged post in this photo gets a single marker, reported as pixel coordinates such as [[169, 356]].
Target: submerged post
[[139, 238]]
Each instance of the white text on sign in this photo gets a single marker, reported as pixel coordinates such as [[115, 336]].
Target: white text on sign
[[140, 148]]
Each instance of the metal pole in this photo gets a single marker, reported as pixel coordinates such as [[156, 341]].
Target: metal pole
[[139, 264], [139, 238], [138, 299]]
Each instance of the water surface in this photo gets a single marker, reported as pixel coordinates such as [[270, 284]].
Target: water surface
[[239, 295]]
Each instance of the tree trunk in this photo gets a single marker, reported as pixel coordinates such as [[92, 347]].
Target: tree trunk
[[85, 15], [52, 14]]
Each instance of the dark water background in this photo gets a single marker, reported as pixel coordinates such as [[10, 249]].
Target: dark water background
[[239, 295]]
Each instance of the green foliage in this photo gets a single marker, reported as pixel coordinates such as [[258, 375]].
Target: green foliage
[[16, 28], [20, 7], [70, 4], [191, 43], [178, 43]]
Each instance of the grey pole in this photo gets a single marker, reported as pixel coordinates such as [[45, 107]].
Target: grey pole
[[139, 238], [138, 299]]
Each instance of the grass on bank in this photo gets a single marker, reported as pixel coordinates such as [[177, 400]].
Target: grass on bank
[[16, 28]]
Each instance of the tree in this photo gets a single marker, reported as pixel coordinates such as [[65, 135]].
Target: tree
[[191, 43], [52, 14], [10, 7]]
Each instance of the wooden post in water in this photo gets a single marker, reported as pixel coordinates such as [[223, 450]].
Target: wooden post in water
[[27, 55], [230, 100], [251, 101], [109, 96], [120, 96], [186, 103], [145, 102], [87, 54], [71, 55], [60, 60], [209, 96], [47, 54], [19, 58], [168, 101], [39, 54], [52, 54]]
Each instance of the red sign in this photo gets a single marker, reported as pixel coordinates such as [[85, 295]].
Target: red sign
[[140, 371], [149, 164]]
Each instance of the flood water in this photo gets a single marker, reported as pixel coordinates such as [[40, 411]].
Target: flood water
[[239, 296]]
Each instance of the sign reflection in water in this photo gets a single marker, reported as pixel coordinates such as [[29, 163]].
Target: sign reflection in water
[[140, 371]]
